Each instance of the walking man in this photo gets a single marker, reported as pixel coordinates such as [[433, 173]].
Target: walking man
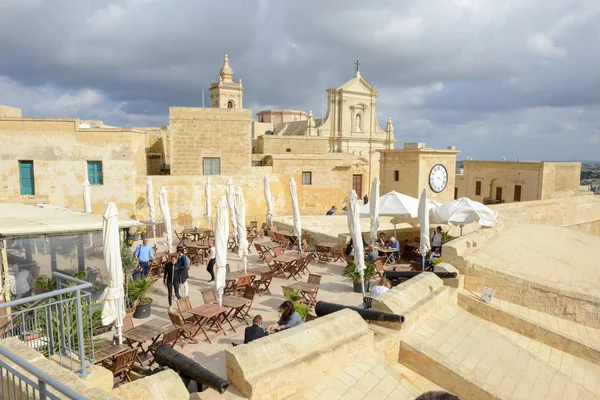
[[183, 264], [171, 279], [144, 255]]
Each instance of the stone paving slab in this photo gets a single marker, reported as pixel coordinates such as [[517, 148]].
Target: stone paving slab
[[473, 350]]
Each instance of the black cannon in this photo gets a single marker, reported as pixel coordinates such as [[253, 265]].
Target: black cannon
[[323, 308], [396, 277], [194, 376]]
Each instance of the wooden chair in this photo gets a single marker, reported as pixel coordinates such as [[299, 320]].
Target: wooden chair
[[277, 251], [272, 236], [286, 244], [304, 268], [184, 306], [262, 230], [187, 329], [242, 283], [260, 250], [244, 312], [291, 269], [181, 237], [338, 252], [263, 283], [121, 366], [314, 278], [310, 317], [379, 267], [127, 323], [368, 300], [306, 248], [209, 296], [312, 298], [169, 338]]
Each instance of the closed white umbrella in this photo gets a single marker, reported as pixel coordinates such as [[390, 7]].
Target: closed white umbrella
[[208, 204], [87, 199], [424, 245], [354, 228], [164, 208], [240, 216], [230, 191], [374, 205], [296, 213], [112, 299], [268, 200], [151, 210], [221, 240]]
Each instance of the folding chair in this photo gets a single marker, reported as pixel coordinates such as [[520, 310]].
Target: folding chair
[[293, 268], [121, 366], [263, 283], [244, 312], [182, 238], [338, 252], [184, 306], [368, 301], [311, 298], [209, 296], [242, 283], [310, 317], [307, 260], [169, 338], [277, 251], [379, 268], [187, 329], [260, 250]]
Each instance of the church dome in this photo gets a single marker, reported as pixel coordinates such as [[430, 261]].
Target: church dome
[[226, 71]]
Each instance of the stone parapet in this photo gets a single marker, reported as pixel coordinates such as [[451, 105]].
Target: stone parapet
[[277, 366], [165, 385]]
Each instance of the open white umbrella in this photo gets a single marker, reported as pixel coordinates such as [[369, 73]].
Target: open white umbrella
[[464, 211], [164, 208], [296, 213], [151, 210], [87, 199], [354, 228], [112, 299], [230, 191], [240, 216], [374, 209], [424, 206], [268, 200], [208, 205], [221, 241]]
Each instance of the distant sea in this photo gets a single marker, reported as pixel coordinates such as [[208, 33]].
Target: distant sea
[[581, 161]]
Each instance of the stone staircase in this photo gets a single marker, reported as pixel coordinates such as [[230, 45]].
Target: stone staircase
[[477, 359]]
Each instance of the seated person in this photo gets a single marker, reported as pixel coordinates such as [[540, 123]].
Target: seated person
[[383, 286], [289, 318], [428, 263], [350, 248], [372, 254], [382, 240], [255, 331], [435, 255], [394, 245]]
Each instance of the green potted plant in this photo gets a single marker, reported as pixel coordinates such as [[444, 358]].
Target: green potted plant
[[137, 296], [296, 298], [129, 264], [351, 273]]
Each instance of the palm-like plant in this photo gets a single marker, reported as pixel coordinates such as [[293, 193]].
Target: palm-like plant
[[351, 273], [295, 297], [129, 263], [138, 289]]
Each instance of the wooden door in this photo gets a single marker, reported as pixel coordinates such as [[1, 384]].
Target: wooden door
[[357, 185], [517, 193], [498, 194]]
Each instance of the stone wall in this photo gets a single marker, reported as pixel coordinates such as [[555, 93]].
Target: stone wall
[[560, 180], [277, 366], [210, 132], [292, 144], [9, 112], [60, 150]]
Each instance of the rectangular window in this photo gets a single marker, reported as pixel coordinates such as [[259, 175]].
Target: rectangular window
[[26, 178], [396, 176], [455, 193], [517, 192], [95, 172], [307, 178], [478, 188], [211, 166]]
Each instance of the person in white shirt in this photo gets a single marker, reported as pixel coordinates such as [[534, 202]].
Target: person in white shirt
[[383, 286], [436, 238], [435, 254], [23, 283]]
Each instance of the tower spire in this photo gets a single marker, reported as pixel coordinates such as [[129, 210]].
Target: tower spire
[[357, 74], [226, 72]]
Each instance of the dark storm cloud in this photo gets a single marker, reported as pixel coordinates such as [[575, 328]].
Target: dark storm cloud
[[459, 72]]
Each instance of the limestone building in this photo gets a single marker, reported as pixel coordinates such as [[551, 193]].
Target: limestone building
[[226, 93], [493, 182]]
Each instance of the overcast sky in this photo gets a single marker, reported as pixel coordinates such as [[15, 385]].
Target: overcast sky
[[494, 78]]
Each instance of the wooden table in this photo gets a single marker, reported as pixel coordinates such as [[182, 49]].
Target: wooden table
[[236, 305], [388, 253], [325, 250], [200, 248], [213, 314], [108, 350], [142, 334], [283, 261], [195, 234], [307, 290]]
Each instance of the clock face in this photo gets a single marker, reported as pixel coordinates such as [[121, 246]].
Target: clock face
[[438, 178]]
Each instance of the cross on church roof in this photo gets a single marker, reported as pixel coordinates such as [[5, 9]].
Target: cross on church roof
[[357, 65]]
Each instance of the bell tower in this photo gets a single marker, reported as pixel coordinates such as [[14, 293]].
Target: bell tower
[[226, 93]]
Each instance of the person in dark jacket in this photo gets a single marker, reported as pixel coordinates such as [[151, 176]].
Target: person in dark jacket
[[255, 331], [183, 263], [171, 279]]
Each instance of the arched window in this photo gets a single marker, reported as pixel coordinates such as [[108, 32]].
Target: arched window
[[230, 104], [357, 123]]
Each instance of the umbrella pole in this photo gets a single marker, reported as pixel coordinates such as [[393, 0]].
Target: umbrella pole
[[362, 285], [119, 328], [394, 226], [245, 259], [422, 262]]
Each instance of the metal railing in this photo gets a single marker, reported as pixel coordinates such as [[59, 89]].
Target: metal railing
[[33, 383], [58, 323]]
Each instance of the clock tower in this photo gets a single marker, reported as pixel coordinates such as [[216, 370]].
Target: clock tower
[[415, 167]]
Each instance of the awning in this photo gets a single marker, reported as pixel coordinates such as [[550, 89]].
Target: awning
[[26, 220]]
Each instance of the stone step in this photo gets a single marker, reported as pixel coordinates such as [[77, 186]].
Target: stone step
[[468, 356], [576, 339]]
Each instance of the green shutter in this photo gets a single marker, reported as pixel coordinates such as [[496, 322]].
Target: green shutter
[[26, 178], [95, 172]]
